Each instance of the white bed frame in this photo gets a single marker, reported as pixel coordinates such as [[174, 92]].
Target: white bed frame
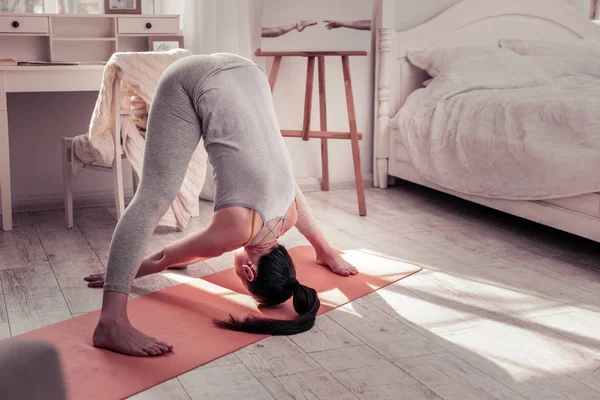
[[472, 22]]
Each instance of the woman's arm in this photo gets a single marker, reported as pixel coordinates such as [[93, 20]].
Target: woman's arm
[[227, 232], [220, 237], [307, 226]]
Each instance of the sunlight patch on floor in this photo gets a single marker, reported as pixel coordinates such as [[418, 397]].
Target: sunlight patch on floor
[[178, 278], [349, 309], [377, 264], [523, 352]]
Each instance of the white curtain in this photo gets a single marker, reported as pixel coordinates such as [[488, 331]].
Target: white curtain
[[217, 26]]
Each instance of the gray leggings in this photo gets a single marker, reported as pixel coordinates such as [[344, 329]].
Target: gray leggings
[[172, 137]]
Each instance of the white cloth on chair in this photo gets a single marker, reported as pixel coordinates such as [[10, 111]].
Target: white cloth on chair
[[139, 73]]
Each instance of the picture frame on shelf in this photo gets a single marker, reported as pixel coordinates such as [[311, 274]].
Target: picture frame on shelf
[[165, 43], [122, 6]]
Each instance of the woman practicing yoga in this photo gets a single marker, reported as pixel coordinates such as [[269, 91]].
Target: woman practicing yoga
[[226, 100]]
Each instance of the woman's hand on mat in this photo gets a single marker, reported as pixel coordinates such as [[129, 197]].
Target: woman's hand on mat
[[95, 280], [336, 263]]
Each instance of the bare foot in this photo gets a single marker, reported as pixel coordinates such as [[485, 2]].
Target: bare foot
[[121, 337], [336, 264], [300, 25]]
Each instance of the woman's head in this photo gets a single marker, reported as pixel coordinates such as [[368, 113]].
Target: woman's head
[[271, 279]]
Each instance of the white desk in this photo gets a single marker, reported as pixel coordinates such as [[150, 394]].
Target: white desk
[[87, 38], [35, 79]]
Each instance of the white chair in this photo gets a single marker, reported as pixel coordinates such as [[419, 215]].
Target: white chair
[[115, 169]]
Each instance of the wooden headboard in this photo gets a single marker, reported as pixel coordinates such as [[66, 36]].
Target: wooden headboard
[[468, 23]]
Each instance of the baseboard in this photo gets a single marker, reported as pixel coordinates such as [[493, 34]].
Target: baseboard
[[96, 198], [313, 184], [105, 198]]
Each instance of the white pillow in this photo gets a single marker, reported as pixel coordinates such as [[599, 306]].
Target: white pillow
[[427, 82], [498, 71], [434, 61], [573, 48]]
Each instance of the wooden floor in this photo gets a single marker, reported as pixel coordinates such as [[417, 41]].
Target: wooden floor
[[504, 309]]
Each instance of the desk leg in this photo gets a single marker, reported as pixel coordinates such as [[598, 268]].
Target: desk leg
[[360, 187], [323, 115], [5, 195]]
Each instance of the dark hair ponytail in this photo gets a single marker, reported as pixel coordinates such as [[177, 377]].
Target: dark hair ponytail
[[275, 283]]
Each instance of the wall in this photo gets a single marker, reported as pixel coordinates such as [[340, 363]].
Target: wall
[[409, 14], [46, 117]]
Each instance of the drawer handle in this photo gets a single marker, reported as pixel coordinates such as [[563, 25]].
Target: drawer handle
[[148, 25], [16, 24]]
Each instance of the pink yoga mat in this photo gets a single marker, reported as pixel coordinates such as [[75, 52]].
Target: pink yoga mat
[[183, 316]]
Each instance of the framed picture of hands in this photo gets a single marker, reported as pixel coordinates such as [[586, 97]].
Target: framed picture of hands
[[316, 25]]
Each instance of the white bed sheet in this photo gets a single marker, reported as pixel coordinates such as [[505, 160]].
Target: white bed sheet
[[508, 126]]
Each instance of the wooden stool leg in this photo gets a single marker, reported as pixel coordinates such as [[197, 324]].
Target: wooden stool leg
[[310, 78], [360, 188], [117, 173], [274, 72], [323, 115]]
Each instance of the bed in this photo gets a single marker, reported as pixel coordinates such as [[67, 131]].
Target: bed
[[527, 137]]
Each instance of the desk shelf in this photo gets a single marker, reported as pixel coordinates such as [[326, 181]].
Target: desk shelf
[[23, 34], [25, 47], [132, 43], [82, 50], [79, 38], [83, 39], [97, 27], [121, 35]]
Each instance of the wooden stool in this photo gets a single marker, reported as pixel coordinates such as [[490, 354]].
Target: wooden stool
[[323, 133]]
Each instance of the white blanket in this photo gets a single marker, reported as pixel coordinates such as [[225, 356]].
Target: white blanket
[[508, 126], [139, 73]]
